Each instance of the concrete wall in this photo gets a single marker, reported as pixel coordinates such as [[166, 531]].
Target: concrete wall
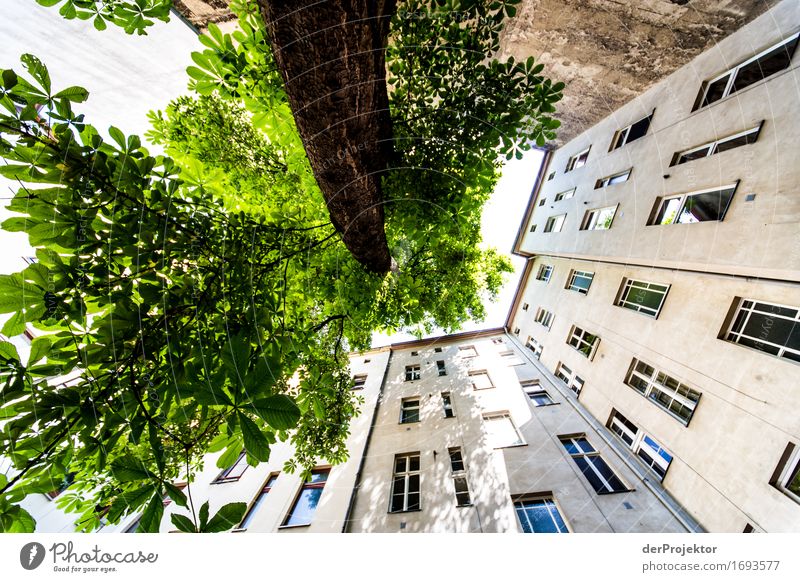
[[724, 458], [757, 238], [495, 475]]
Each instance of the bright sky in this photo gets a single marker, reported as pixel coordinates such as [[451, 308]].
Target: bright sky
[[127, 76]]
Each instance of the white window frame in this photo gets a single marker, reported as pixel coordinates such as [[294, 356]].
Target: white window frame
[[406, 407], [637, 442], [575, 274], [544, 318], [474, 373], [544, 273], [534, 346], [578, 334], [613, 179], [406, 475], [789, 470], [459, 475], [413, 372], [553, 224], [565, 195], [735, 336], [537, 391], [549, 503], [359, 381], [569, 378], [713, 145], [657, 383], [447, 405], [441, 368], [463, 351], [621, 136], [590, 219], [492, 416], [734, 71], [682, 198], [632, 285], [575, 161]]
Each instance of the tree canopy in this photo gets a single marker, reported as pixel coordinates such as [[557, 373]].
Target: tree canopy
[[201, 300]]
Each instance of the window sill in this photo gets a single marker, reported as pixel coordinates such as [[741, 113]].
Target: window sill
[[294, 526], [511, 446], [465, 505], [615, 492], [223, 481], [405, 511], [546, 405], [238, 530]]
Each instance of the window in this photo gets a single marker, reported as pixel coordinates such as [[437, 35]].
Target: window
[[516, 331], [415, 353], [480, 380], [774, 59], [787, 474], [542, 201], [555, 223], [307, 500], [358, 381], [447, 405], [545, 271], [579, 281], [258, 502], [613, 179], [631, 133], [524, 308], [133, 527], [534, 346], [572, 380], [583, 341], [539, 397], [641, 296], [599, 218], [409, 410], [367, 360], [234, 472], [510, 358], [68, 479], [440, 367], [437, 350], [578, 160], [566, 194], [645, 446], [544, 317], [467, 351], [533, 228], [600, 476], [539, 515], [412, 372], [665, 391], [767, 327], [693, 207], [551, 176], [501, 431], [500, 341], [459, 474], [714, 147], [405, 483]]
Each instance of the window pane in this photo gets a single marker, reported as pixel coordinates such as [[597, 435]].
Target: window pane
[[730, 144], [793, 484], [715, 90], [414, 463], [413, 501], [668, 211], [776, 330], [706, 206], [772, 62], [638, 129], [305, 507], [695, 155]]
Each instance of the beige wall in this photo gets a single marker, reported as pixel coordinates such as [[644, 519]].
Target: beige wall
[[495, 475], [758, 238]]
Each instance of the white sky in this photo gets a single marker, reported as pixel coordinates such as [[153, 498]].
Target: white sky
[[127, 76]]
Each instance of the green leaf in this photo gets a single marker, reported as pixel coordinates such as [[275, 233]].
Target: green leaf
[[227, 517], [74, 94], [150, 522], [129, 468], [183, 523], [178, 496], [37, 69], [279, 411], [40, 347], [254, 441], [203, 516], [8, 352]]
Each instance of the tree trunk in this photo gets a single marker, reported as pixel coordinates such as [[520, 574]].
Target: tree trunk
[[331, 56]]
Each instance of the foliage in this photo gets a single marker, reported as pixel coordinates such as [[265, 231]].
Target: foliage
[[130, 15], [201, 301]]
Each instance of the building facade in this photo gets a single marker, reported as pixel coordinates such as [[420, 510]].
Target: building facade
[[663, 276]]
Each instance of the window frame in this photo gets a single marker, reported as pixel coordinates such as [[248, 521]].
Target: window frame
[[447, 405], [565, 195], [441, 368], [308, 484], [578, 333], [572, 163], [593, 454], [787, 470], [473, 373], [545, 272], [575, 274], [654, 383], [734, 71], [519, 502], [359, 381], [606, 181], [462, 351], [406, 474], [459, 475], [570, 379], [553, 225], [618, 424], [406, 410], [535, 346], [254, 503], [491, 416], [713, 145], [544, 317], [661, 201], [733, 319], [413, 372], [629, 286], [587, 224], [537, 390], [225, 475], [620, 137]]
